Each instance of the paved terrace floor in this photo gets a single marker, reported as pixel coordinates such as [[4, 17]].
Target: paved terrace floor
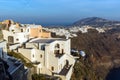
[[65, 70]]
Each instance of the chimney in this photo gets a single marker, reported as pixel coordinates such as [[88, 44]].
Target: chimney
[[67, 36]]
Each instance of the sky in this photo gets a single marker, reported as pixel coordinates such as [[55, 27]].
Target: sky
[[57, 12]]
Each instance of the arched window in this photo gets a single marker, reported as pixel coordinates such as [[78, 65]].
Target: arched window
[[57, 46]]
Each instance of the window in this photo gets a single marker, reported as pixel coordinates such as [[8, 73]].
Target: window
[[39, 70], [42, 47], [62, 51], [41, 56], [40, 30], [28, 30], [33, 55], [12, 30], [21, 30], [67, 63], [17, 39], [52, 68]]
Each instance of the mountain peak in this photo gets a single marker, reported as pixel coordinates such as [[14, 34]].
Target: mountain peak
[[95, 22]]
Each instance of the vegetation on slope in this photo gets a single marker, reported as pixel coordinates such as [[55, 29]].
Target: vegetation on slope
[[102, 51], [44, 77]]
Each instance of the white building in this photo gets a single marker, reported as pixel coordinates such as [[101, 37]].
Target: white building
[[52, 56], [100, 30], [15, 37]]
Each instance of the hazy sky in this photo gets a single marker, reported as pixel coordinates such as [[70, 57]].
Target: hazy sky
[[58, 11]]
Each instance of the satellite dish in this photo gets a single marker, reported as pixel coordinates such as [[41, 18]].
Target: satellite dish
[[82, 53]]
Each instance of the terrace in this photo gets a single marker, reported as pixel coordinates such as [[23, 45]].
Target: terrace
[[65, 70]]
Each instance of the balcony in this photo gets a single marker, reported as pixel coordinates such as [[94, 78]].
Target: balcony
[[59, 55]]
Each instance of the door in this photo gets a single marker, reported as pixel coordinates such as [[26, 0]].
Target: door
[[10, 39]]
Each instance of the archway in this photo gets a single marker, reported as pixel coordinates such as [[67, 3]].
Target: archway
[[57, 50], [67, 63]]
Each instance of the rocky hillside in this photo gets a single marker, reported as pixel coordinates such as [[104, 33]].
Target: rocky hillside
[[96, 22], [103, 54]]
